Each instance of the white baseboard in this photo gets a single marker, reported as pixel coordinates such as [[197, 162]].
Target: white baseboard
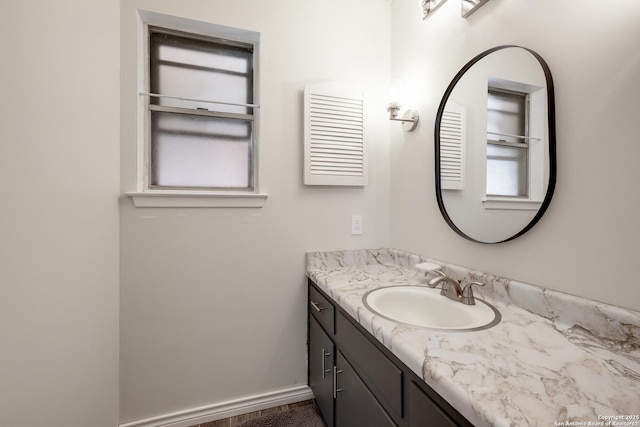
[[231, 408]]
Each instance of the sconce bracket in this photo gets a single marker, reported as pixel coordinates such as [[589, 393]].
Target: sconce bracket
[[410, 120]]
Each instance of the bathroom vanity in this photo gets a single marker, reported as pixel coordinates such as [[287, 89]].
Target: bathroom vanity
[[552, 358], [357, 381]]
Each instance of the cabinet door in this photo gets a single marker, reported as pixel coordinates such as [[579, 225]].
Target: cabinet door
[[423, 412], [355, 405], [321, 357], [374, 368]]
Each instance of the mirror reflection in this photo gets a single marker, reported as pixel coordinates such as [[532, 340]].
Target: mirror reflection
[[495, 145]]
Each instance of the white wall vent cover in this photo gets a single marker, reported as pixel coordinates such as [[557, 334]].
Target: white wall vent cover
[[452, 147], [334, 143]]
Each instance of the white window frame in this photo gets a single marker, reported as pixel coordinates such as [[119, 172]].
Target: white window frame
[[145, 196]]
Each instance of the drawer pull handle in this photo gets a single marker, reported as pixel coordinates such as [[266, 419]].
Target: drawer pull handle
[[316, 306], [336, 390], [324, 371]]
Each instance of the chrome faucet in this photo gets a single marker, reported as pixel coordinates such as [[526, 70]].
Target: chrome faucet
[[451, 288]]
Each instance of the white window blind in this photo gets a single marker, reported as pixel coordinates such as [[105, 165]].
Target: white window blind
[[452, 147], [334, 140]]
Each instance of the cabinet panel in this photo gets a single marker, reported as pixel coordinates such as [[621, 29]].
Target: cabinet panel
[[355, 405], [423, 412], [377, 370], [321, 362], [322, 309]]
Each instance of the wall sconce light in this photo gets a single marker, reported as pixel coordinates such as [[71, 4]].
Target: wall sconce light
[[409, 119]]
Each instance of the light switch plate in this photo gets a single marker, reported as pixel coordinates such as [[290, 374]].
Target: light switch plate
[[356, 224]]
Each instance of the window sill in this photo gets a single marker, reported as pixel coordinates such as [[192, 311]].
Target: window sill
[[194, 199], [505, 203]]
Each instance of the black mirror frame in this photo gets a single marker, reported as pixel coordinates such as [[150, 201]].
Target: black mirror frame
[[551, 114]]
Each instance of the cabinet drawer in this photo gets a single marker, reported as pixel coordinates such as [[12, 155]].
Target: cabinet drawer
[[321, 309], [377, 371]]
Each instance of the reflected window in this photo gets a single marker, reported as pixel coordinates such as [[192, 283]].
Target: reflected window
[[507, 143]]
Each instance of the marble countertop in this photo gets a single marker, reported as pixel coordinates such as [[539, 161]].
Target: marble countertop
[[554, 359]]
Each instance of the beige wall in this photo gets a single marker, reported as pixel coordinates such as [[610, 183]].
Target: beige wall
[[213, 300], [59, 161], [587, 243]]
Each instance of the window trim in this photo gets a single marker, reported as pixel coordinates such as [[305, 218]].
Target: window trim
[[145, 195], [196, 199]]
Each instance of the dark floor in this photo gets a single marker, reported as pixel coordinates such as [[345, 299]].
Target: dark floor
[[239, 419]]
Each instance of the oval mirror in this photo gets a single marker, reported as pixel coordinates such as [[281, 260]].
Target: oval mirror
[[495, 145]]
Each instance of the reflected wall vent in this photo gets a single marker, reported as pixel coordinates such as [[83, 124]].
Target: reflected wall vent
[[334, 141], [452, 147]]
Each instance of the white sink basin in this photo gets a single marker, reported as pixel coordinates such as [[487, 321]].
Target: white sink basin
[[425, 307]]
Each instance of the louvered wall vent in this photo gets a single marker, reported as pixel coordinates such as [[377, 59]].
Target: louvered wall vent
[[334, 142], [452, 147]]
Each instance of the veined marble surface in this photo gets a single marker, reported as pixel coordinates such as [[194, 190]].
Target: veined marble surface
[[554, 359]]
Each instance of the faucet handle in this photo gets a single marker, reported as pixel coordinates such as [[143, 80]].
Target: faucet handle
[[467, 293], [439, 280]]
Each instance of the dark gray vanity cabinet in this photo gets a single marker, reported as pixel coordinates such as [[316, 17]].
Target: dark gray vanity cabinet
[[357, 382], [343, 398]]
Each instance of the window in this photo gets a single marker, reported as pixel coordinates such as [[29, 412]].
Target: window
[[198, 114], [516, 168], [200, 144], [507, 143]]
